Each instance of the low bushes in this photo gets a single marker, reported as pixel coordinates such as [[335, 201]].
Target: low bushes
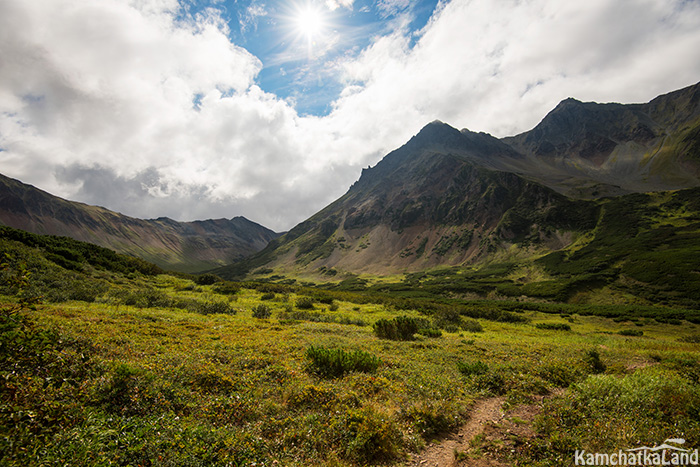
[[261, 311], [401, 328], [631, 332], [334, 363], [605, 412], [476, 367], [305, 303], [553, 326]]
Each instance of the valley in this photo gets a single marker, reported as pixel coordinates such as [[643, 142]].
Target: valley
[[470, 301], [124, 364]]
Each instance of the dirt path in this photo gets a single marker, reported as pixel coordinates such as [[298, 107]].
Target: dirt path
[[443, 454]]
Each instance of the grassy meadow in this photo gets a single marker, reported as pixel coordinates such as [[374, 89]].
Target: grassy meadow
[[110, 363]]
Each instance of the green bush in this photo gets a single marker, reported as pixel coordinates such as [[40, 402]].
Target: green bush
[[207, 279], [476, 367], [334, 363], [227, 288], [592, 358], [430, 332], [432, 418], [605, 412], [631, 332], [471, 325], [374, 437], [493, 381], [559, 373], [268, 296], [553, 326], [131, 391], [305, 303], [210, 308], [401, 328], [261, 311]]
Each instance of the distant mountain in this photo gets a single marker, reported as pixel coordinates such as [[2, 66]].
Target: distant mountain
[[179, 246], [450, 197]]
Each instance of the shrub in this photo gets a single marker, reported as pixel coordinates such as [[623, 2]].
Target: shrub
[[471, 325], [559, 373], [430, 332], [209, 308], [593, 360], [261, 311], [268, 296], [334, 363], [207, 279], [374, 438], [324, 299], [607, 411], [432, 417], [553, 326], [401, 328], [305, 303], [227, 288], [131, 391], [631, 332], [476, 367], [493, 381]]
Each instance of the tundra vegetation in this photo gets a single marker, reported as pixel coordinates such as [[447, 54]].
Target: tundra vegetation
[[107, 360]]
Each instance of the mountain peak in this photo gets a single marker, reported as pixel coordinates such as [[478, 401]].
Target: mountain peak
[[436, 133]]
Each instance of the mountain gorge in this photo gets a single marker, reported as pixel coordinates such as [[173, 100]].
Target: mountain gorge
[[532, 202], [178, 246]]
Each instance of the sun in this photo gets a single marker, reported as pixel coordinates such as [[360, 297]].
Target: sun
[[310, 22]]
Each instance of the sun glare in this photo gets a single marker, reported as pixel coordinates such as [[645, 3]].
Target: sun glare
[[310, 22]]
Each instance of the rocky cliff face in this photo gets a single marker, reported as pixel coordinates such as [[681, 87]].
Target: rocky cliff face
[[180, 246]]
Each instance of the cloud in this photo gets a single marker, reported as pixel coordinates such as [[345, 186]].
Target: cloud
[[392, 7], [499, 66], [143, 108], [249, 17], [335, 4]]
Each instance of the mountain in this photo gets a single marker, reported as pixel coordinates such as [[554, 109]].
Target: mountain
[[424, 205], [593, 150], [178, 246], [559, 199]]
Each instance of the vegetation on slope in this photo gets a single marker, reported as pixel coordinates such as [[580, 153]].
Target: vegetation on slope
[[636, 250]]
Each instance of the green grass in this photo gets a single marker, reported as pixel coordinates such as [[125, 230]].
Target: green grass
[[161, 370]]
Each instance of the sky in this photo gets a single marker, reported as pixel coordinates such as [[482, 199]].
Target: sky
[[196, 109]]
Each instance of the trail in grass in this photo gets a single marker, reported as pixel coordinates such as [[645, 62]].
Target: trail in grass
[[443, 454]]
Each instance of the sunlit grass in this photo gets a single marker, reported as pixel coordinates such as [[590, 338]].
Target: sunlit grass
[[170, 386]]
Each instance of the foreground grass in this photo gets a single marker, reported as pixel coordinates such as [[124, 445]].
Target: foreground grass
[[111, 384]]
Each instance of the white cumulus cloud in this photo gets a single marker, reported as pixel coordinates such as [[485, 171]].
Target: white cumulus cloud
[[144, 109]]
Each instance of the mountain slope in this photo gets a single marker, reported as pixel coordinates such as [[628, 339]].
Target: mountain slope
[[180, 246], [428, 204], [469, 200]]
